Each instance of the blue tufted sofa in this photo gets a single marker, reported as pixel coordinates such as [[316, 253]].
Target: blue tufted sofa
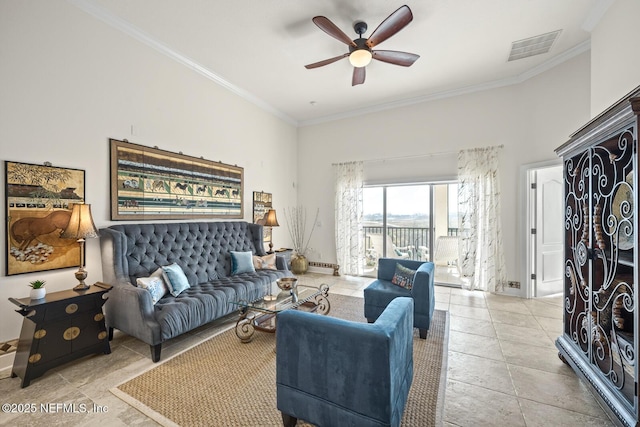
[[201, 249]]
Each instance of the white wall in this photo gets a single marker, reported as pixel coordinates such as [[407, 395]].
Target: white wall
[[614, 55], [70, 82], [530, 119]]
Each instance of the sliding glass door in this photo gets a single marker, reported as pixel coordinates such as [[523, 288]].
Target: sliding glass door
[[417, 221]]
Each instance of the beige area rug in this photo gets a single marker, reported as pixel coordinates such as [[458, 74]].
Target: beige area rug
[[222, 382]]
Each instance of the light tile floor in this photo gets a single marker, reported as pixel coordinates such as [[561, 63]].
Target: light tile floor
[[503, 365], [503, 368]]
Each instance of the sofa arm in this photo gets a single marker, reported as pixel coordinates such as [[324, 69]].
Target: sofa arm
[[281, 263], [348, 368], [423, 282], [130, 310], [424, 297]]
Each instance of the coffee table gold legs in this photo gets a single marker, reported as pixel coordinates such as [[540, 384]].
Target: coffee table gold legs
[[250, 321], [263, 318], [322, 300], [244, 330], [244, 327]]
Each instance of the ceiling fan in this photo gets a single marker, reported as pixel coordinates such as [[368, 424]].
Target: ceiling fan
[[360, 53]]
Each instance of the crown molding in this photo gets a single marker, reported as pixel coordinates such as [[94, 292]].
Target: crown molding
[[131, 30], [596, 14], [568, 54], [106, 16], [509, 81]]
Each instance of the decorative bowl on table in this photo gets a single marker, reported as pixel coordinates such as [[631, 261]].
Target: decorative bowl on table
[[287, 283]]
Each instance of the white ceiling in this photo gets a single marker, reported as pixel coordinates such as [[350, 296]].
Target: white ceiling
[[258, 48]]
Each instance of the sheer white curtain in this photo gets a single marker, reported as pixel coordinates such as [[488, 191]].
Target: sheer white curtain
[[348, 204], [480, 235]]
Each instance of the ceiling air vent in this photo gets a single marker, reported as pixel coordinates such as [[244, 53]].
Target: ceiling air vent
[[533, 45]]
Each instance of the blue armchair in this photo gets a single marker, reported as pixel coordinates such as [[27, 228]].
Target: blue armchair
[[381, 292], [334, 372]]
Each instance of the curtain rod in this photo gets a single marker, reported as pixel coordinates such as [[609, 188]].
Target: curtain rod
[[441, 153]]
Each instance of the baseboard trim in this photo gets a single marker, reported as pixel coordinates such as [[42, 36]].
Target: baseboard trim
[[335, 267], [6, 364]]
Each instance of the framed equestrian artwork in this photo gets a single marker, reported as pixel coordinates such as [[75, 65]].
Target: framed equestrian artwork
[[262, 202], [149, 183], [39, 199]]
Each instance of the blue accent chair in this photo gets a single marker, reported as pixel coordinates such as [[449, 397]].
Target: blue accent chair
[[333, 372], [381, 292]]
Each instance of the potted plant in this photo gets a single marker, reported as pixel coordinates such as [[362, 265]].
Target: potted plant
[[297, 222], [38, 290]]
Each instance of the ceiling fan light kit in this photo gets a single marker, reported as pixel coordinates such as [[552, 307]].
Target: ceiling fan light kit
[[360, 53], [360, 57]]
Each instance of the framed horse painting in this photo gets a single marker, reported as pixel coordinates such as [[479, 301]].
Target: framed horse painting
[[39, 199]]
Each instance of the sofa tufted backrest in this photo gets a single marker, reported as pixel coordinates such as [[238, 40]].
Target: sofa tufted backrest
[[201, 249]]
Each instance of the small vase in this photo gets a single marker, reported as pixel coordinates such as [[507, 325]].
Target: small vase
[[37, 293], [299, 264]]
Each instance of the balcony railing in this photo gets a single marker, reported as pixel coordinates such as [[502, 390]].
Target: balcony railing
[[412, 241]]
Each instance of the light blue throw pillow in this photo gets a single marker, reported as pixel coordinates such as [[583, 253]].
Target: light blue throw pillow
[[241, 262], [176, 279]]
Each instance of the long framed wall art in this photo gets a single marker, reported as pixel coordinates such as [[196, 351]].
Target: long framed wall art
[[149, 183], [39, 199]]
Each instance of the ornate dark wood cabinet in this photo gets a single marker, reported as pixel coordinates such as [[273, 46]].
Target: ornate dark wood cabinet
[[601, 258], [59, 328]]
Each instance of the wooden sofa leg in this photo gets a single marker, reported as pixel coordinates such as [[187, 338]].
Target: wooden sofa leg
[[110, 334], [423, 333], [288, 420], [155, 352]]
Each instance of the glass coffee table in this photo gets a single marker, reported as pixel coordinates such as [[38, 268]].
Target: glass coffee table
[[261, 315]]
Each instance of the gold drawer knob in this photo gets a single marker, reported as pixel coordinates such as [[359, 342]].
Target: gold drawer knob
[[98, 317], [71, 308], [34, 358], [102, 335], [40, 333], [71, 333]]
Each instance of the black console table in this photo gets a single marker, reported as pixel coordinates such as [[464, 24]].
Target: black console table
[[61, 327]]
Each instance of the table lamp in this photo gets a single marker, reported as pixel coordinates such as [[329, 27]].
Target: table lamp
[[80, 227], [271, 222]]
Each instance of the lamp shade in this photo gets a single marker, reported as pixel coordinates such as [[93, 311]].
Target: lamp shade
[[81, 223], [360, 57], [271, 220]]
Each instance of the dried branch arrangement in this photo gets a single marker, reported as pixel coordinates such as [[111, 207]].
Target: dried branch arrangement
[[296, 218]]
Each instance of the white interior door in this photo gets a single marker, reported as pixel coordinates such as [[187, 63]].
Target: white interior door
[[548, 239]]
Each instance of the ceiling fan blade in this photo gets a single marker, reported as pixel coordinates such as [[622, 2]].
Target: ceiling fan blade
[[394, 23], [325, 62], [330, 28], [404, 59], [359, 73]]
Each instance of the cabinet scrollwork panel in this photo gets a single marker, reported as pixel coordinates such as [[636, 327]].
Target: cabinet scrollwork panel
[[613, 284], [600, 272]]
